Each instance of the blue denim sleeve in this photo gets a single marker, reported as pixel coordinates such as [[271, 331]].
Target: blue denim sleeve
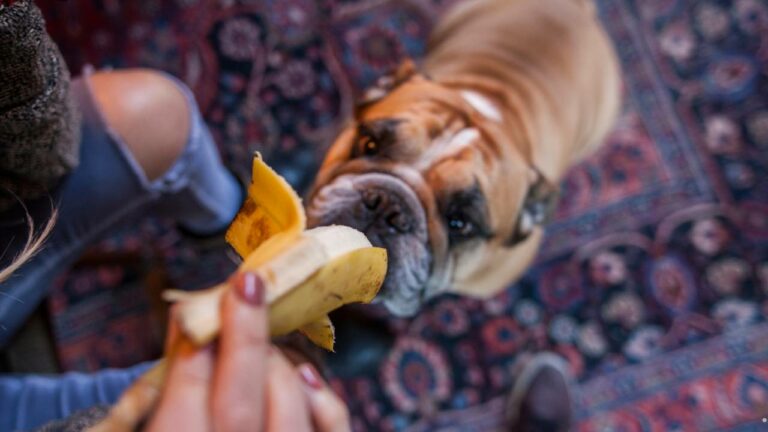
[[29, 401]]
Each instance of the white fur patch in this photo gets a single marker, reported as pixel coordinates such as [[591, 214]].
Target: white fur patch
[[482, 104], [461, 140], [446, 146]]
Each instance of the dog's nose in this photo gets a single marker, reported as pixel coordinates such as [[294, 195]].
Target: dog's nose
[[397, 220], [372, 199], [387, 208]]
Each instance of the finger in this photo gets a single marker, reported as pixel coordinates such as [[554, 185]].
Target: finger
[[173, 333], [287, 408], [238, 392], [329, 413], [184, 403]]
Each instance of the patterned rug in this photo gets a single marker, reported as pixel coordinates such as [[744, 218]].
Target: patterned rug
[[653, 281]]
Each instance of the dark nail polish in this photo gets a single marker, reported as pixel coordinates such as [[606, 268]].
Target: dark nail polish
[[311, 376], [250, 288]]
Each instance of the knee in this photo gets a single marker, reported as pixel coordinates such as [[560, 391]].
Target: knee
[[149, 112]]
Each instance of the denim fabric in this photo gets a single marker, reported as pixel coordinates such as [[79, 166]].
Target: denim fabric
[[28, 402], [108, 190]]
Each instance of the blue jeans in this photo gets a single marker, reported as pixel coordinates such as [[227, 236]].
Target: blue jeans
[[106, 191]]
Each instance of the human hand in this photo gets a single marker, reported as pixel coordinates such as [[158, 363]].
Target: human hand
[[244, 383]]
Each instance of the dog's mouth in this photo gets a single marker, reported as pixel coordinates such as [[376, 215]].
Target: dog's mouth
[[390, 213]]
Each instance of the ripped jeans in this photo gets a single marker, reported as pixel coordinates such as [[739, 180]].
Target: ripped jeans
[[106, 191]]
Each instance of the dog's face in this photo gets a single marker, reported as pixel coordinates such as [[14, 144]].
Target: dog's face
[[435, 176]]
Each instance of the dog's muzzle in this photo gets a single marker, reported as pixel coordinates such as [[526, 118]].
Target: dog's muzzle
[[390, 214]]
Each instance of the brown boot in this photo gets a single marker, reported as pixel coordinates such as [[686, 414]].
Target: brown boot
[[541, 399]]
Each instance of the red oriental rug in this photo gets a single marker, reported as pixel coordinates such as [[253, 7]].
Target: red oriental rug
[[653, 279]]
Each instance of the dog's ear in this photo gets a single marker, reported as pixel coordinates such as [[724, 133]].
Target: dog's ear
[[537, 209], [389, 82]]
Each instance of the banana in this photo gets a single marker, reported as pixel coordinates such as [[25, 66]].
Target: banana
[[318, 271], [321, 333], [269, 233], [307, 274], [271, 207]]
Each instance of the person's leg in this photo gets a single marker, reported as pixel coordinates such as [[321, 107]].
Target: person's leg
[[171, 168], [144, 149], [148, 112], [157, 120]]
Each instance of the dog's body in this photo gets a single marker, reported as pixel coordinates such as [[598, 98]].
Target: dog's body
[[453, 170]]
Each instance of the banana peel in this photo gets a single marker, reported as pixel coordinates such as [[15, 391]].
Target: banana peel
[[307, 274], [270, 223], [320, 333], [270, 235], [317, 272], [271, 207], [307, 305]]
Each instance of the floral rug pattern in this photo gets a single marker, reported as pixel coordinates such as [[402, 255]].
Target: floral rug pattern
[[653, 278]]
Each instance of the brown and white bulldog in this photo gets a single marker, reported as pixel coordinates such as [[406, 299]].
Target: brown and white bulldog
[[454, 168]]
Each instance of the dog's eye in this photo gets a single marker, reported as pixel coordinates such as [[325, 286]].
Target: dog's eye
[[460, 227], [367, 144], [465, 216], [374, 137]]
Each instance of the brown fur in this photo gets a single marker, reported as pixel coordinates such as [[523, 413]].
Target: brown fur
[[548, 69]]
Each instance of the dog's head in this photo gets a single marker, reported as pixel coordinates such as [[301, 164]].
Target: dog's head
[[437, 176]]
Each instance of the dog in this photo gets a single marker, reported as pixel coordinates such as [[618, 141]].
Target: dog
[[453, 165]]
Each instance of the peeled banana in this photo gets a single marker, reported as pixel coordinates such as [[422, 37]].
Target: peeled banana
[[301, 269], [306, 273], [314, 273]]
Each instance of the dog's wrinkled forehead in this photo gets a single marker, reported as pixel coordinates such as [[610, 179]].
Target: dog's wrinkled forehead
[[421, 90], [421, 96], [435, 120], [452, 134], [422, 117], [416, 97], [437, 136]]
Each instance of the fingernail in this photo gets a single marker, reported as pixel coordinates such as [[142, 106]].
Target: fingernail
[[250, 288], [310, 376]]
